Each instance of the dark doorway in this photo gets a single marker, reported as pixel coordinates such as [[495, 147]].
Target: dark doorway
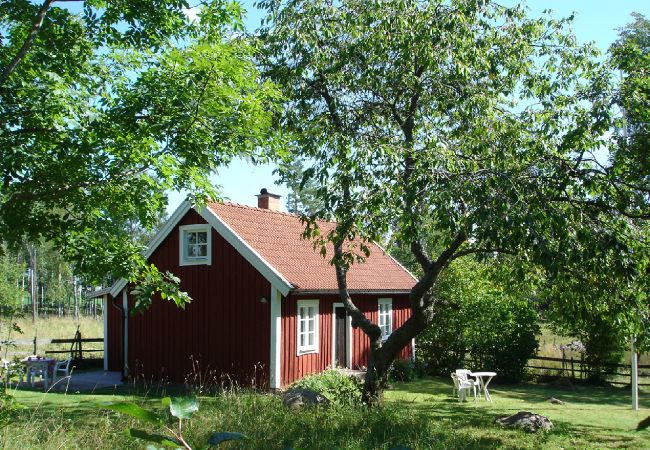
[[340, 338]]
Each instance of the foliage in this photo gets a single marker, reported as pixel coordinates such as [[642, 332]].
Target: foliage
[[491, 325], [103, 109], [464, 116], [11, 271], [302, 197], [9, 407], [404, 370], [338, 387], [182, 408]]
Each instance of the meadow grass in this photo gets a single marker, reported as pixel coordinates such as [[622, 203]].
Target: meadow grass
[[419, 414], [55, 328]]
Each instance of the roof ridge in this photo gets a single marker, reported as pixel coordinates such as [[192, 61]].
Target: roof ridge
[[266, 210], [254, 208]]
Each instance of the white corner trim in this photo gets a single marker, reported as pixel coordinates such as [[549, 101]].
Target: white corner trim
[[261, 265], [316, 346], [275, 371], [125, 344], [185, 261], [395, 261], [105, 320], [180, 212], [348, 336]]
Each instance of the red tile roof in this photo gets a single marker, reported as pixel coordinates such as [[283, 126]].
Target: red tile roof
[[277, 237]]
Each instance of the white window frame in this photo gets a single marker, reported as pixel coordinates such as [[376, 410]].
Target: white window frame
[[306, 349], [388, 303], [184, 260]]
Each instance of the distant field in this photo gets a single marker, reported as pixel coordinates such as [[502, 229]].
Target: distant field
[[549, 346], [54, 328]]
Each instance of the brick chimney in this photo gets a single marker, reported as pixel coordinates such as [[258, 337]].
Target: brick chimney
[[266, 200]]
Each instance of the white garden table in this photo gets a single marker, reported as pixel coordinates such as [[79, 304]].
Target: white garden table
[[480, 376]]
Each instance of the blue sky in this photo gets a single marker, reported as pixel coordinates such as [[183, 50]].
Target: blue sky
[[595, 20]]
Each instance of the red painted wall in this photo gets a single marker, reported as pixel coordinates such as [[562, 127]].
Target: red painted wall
[[114, 335], [225, 330], [295, 367]]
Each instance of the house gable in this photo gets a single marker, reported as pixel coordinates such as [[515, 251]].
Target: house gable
[[254, 258]]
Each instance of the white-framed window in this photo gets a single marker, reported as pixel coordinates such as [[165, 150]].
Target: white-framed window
[[195, 245], [385, 317], [307, 324]]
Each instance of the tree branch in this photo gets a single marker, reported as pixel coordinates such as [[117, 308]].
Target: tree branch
[[36, 27], [358, 318], [471, 251]]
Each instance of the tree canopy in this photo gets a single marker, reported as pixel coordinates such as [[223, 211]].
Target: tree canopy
[[463, 117], [104, 108]]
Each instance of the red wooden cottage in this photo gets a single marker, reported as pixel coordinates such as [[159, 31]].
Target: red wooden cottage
[[264, 301]]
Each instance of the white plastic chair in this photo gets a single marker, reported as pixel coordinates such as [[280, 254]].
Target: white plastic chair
[[9, 369], [462, 387], [465, 374], [63, 367]]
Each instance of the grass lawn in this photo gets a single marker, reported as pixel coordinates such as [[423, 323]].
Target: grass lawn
[[419, 414]]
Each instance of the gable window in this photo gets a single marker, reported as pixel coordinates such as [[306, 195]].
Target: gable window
[[385, 317], [307, 322], [195, 245]]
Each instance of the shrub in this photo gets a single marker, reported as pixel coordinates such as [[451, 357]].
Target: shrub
[[338, 387], [487, 323], [403, 370]]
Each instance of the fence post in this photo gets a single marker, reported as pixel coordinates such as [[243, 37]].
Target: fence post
[[573, 373], [81, 356], [34, 345]]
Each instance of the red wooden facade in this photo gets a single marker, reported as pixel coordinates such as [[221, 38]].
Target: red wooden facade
[[296, 366], [227, 328]]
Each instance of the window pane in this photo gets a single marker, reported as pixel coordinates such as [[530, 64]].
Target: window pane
[[302, 340], [311, 325], [202, 237], [191, 238], [311, 339], [202, 250]]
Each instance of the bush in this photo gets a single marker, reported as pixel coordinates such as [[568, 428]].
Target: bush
[[405, 370], [490, 325], [338, 387]]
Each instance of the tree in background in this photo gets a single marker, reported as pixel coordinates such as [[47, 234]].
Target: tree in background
[[103, 110], [605, 313], [303, 196], [463, 116]]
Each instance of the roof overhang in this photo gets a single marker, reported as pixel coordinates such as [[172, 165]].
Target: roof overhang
[[98, 292], [352, 291], [255, 259]]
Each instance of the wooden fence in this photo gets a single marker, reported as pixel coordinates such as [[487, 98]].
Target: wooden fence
[[570, 367], [76, 350]]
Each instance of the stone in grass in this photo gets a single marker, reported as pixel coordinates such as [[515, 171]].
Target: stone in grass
[[555, 401], [299, 398], [527, 421]]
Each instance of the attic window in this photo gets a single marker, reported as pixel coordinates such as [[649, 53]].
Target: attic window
[[195, 245]]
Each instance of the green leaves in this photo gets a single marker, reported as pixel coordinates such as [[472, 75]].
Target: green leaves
[[136, 411], [155, 438], [181, 407]]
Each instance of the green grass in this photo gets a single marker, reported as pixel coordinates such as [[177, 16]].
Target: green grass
[[418, 414]]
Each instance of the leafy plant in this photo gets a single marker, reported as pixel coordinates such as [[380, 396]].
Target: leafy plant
[[336, 386], [183, 408], [403, 370]]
